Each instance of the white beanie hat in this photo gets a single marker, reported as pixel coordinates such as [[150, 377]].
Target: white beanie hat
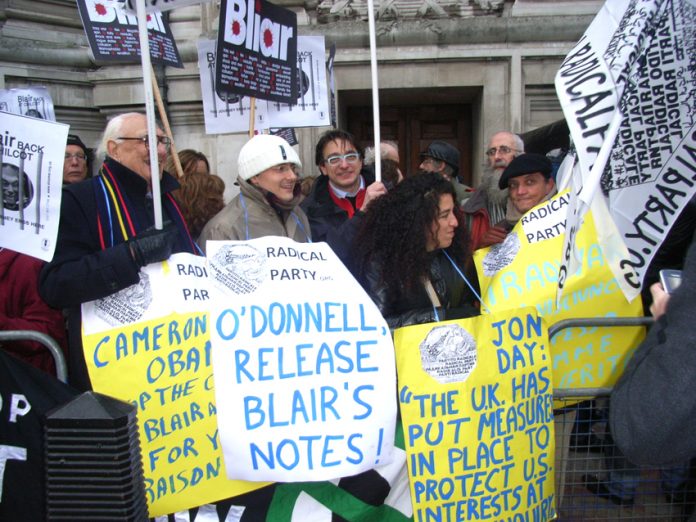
[[262, 152]]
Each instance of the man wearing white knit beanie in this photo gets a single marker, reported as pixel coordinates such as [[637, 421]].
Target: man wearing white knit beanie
[[269, 193]]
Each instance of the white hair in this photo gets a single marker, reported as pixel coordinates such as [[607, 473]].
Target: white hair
[[113, 129], [369, 155]]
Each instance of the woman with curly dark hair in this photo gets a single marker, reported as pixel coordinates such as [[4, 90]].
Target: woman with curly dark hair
[[411, 255]]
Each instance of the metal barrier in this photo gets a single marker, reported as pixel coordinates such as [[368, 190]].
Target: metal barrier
[[594, 481], [47, 341]]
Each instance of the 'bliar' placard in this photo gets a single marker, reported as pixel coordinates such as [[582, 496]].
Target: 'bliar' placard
[[303, 363]]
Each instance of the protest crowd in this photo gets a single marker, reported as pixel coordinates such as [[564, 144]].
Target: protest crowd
[[423, 248]]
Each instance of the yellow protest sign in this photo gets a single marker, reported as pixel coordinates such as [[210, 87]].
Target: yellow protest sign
[[477, 410], [150, 345], [523, 271]]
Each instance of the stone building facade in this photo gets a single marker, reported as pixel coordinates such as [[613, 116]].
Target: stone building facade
[[452, 69]]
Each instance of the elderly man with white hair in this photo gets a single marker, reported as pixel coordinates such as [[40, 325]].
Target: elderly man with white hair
[[106, 232], [487, 207]]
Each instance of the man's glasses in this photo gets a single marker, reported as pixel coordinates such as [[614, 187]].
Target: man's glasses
[[503, 149], [336, 159], [78, 156], [161, 140]]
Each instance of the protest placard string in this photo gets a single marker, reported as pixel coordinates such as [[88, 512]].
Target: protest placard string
[[461, 274]]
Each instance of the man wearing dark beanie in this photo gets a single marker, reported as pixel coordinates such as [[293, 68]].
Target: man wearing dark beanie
[[529, 183], [75, 165]]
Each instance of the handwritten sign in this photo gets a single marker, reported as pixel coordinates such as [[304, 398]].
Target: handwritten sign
[[523, 271], [303, 363], [149, 344], [477, 408]]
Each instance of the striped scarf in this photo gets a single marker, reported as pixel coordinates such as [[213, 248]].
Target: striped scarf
[[115, 220]]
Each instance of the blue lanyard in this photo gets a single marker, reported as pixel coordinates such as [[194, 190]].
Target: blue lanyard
[[464, 278]]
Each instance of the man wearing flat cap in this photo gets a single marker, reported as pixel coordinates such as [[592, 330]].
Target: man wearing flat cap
[[443, 158], [529, 183], [75, 165]]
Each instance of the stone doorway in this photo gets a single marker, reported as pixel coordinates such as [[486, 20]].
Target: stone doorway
[[413, 123]]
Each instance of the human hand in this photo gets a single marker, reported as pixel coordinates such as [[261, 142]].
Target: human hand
[[374, 191], [152, 245], [660, 300], [493, 236]]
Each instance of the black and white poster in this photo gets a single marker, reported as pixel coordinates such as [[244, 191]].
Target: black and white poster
[[31, 153], [628, 91], [113, 34], [224, 112], [257, 51], [311, 108], [33, 101]]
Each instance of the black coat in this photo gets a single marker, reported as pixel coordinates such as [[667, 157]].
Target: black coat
[[81, 270], [328, 221], [405, 308]]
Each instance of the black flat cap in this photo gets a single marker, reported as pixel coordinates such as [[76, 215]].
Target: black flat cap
[[74, 139], [443, 151], [525, 164]]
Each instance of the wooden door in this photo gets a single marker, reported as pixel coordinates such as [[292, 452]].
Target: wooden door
[[413, 128]]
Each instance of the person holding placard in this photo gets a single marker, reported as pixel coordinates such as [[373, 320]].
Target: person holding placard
[[528, 182], [411, 254], [106, 233], [269, 195]]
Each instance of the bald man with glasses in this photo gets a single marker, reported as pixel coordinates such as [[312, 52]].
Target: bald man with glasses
[[487, 206], [106, 232]]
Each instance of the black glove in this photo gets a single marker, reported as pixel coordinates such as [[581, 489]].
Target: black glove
[[153, 245]]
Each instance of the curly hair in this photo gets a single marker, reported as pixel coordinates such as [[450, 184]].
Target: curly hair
[[200, 198], [189, 159], [396, 229]]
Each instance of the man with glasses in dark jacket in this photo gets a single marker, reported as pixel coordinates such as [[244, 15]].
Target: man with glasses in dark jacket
[[106, 232], [342, 192]]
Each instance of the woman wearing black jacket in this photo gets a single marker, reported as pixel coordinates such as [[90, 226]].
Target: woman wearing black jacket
[[411, 255]]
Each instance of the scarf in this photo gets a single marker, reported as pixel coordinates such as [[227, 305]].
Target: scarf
[[115, 219]]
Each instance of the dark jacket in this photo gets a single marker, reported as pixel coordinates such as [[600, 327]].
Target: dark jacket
[[414, 307], [329, 222], [21, 308], [81, 270], [653, 406]]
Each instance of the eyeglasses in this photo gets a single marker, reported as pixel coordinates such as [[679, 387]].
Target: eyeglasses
[[336, 159], [161, 140], [78, 156], [503, 149]]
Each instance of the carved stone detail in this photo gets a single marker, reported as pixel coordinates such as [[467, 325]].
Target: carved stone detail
[[328, 11]]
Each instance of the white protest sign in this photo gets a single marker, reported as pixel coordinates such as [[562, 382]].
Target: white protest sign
[[626, 93], [230, 114], [303, 362], [312, 106], [35, 102], [31, 153]]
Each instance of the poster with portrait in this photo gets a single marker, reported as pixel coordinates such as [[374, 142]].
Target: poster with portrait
[[225, 112], [31, 153], [34, 102]]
